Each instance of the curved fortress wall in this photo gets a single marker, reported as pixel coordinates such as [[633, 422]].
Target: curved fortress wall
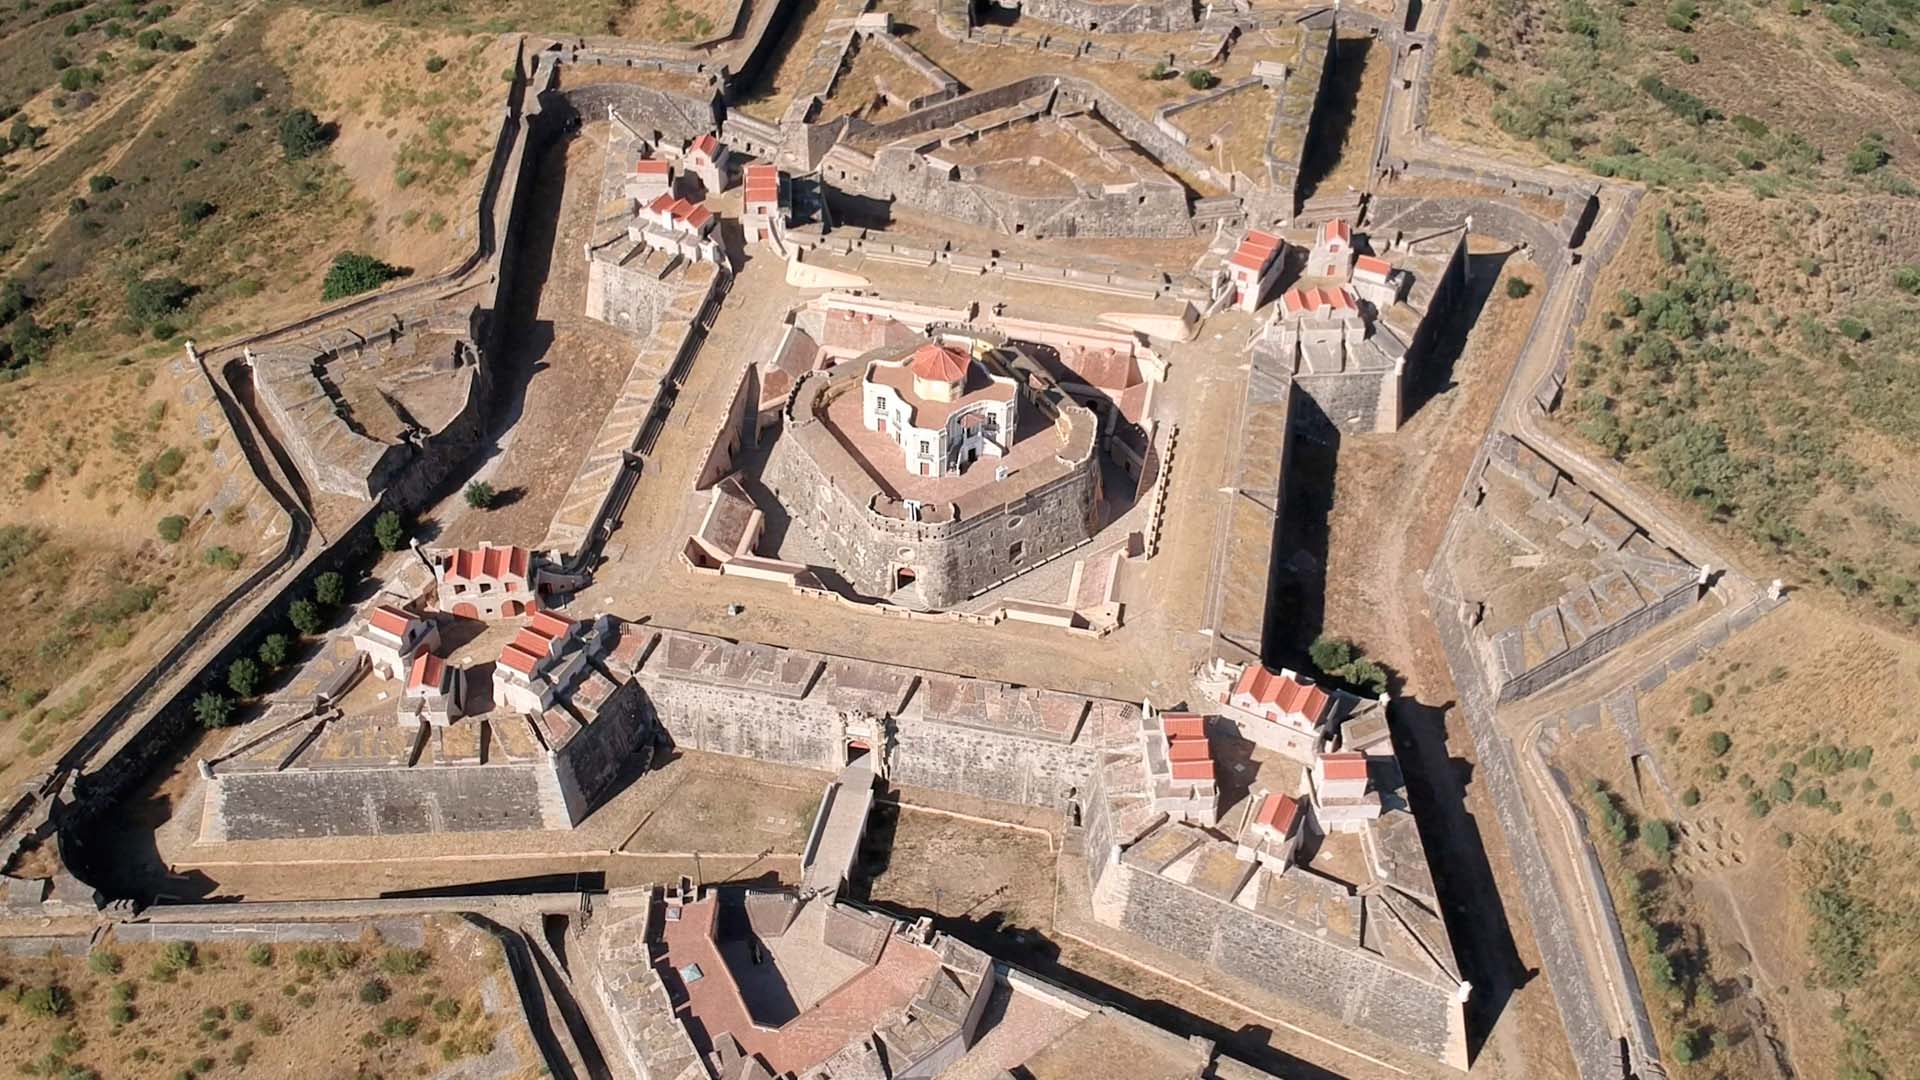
[[954, 551]]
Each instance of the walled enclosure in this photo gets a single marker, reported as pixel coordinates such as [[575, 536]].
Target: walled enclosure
[[952, 551]]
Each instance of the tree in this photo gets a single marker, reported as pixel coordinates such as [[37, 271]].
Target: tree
[[302, 135], [1719, 743], [480, 495], [171, 528], [1517, 289], [101, 183], [1685, 1046], [1659, 839], [305, 616], [243, 677], [353, 272], [1201, 79], [329, 589], [390, 531], [1330, 654], [212, 709], [273, 651], [152, 299]]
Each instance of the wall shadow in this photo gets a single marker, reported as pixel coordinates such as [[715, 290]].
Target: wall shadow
[[1339, 104], [1434, 374]]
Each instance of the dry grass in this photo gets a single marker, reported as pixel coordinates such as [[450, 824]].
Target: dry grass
[[301, 1013]]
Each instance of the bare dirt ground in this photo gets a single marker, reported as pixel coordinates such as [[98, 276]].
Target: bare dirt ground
[[299, 1012]]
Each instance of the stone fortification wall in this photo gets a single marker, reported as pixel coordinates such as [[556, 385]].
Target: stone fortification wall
[[955, 551], [750, 135], [374, 802], [664, 113], [1601, 643], [1360, 989], [943, 732], [633, 296], [1292, 123], [1346, 400], [589, 767], [1113, 17]]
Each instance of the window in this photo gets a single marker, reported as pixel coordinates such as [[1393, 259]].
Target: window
[[925, 448], [1017, 551], [692, 974]]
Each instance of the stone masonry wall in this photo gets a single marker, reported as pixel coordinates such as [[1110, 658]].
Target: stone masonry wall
[[1117, 17], [1333, 398], [1283, 961], [374, 802], [951, 561], [591, 763], [1601, 643], [1138, 209], [630, 298], [989, 765], [673, 116]]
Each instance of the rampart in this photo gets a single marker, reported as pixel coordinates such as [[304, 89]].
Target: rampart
[[978, 737], [1112, 17]]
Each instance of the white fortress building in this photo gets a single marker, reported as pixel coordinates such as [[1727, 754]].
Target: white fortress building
[[942, 407]]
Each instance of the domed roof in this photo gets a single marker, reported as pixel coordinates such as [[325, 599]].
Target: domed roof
[[940, 363]]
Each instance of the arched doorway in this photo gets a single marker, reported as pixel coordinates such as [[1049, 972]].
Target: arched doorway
[[466, 611]]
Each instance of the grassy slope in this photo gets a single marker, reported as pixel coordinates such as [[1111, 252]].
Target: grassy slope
[[1754, 354]]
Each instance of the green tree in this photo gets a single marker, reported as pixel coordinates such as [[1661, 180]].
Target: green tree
[[273, 651], [480, 494], [305, 616], [1201, 79], [329, 589], [243, 677], [353, 272], [1686, 1047], [1719, 743], [1330, 654], [152, 299], [212, 709], [1518, 289], [390, 531], [302, 135], [171, 528], [101, 183], [1658, 836]]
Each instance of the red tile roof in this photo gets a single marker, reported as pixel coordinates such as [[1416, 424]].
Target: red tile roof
[[1256, 250], [1344, 766], [1268, 687], [940, 363], [650, 167], [1369, 264], [1188, 750], [547, 624], [705, 144], [390, 619], [1183, 725], [1193, 770], [518, 659], [429, 672], [1278, 812], [498, 563], [1337, 229]]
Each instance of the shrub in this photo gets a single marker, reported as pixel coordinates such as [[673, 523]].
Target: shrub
[[435, 64], [121, 1013], [1907, 279], [36, 479], [268, 1024], [243, 677], [260, 954], [171, 528], [398, 1027], [480, 494], [1781, 790], [353, 272], [373, 992], [272, 652], [103, 962], [101, 183], [195, 211], [1329, 654], [390, 531], [46, 1001], [1518, 289], [1658, 837], [170, 461], [1685, 1046], [1700, 703], [446, 1010], [152, 299], [179, 955], [1719, 743], [1871, 154], [404, 961], [302, 135], [222, 556], [1201, 79], [329, 589], [212, 710], [1690, 797], [1158, 71], [304, 616], [241, 1011]]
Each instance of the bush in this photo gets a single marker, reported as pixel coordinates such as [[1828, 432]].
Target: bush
[[436, 64], [1907, 279], [101, 183], [1871, 154], [302, 135], [390, 531], [374, 991], [1690, 797], [272, 652], [260, 954], [1700, 703], [222, 556], [1329, 654], [305, 616], [329, 589], [121, 1013], [213, 710], [195, 211], [243, 677], [446, 1010], [480, 494], [1201, 79], [398, 1027], [1518, 289], [1686, 1047], [404, 961], [152, 299], [171, 528], [353, 272], [1658, 837], [179, 955], [1719, 743], [46, 1001], [103, 962]]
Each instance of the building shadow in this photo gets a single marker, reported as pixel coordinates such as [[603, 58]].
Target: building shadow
[[1434, 374], [1470, 902], [1296, 611], [1337, 110]]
